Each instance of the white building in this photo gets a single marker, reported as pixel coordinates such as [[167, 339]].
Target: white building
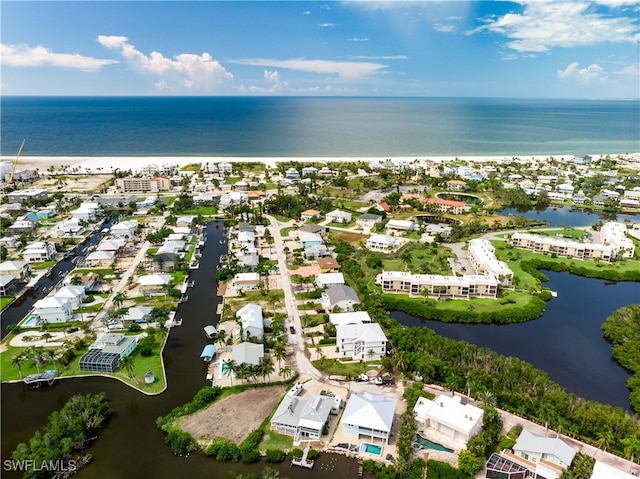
[[381, 242], [614, 234], [447, 421], [39, 251], [401, 225], [368, 416], [548, 457], [225, 168], [605, 471], [353, 317], [368, 220], [339, 296], [325, 280], [482, 256], [361, 341], [75, 294], [53, 310], [124, 229], [86, 211], [304, 418], [251, 321], [339, 216]]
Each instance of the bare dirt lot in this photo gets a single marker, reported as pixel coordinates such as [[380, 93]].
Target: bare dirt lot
[[235, 416], [73, 183]]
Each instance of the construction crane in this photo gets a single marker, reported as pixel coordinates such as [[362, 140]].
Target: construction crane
[[15, 162]]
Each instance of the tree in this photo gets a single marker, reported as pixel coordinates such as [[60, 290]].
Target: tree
[[119, 298], [126, 363], [266, 368], [400, 360], [285, 372], [17, 362], [279, 352], [232, 367]]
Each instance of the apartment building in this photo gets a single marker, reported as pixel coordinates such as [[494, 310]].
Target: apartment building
[[437, 286], [482, 256]]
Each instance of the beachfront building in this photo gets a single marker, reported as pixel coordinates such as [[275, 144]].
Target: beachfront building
[[368, 416], [339, 296], [353, 317], [53, 310], [105, 354], [446, 420], [546, 457], [304, 418], [339, 216], [39, 251], [482, 256], [251, 322], [309, 171], [364, 341], [368, 221], [437, 286], [381, 242], [143, 184]]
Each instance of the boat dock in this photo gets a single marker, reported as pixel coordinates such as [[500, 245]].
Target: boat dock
[[303, 461], [37, 380]]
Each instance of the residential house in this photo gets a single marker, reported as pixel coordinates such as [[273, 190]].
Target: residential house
[[241, 185], [26, 195], [75, 294], [173, 247], [599, 200], [565, 188], [225, 168], [100, 259], [339, 216], [86, 211], [317, 251], [368, 220], [325, 171], [113, 245], [401, 225], [304, 418], [457, 185], [328, 265], [150, 169], [124, 229], [312, 228], [53, 310], [309, 171], [246, 281], [251, 322], [20, 270], [105, 354], [10, 241], [310, 215], [148, 201], [90, 281], [579, 198], [368, 416], [353, 317], [185, 221], [247, 353], [249, 261], [23, 225], [164, 262], [137, 314], [8, 284], [325, 280], [154, 284], [448, 421], [605, 471], [72, 227], [292, 174], [308, 240], [442, 229], [364, 341], [381, 243], [39, 251], [547, 457], [339, 296]]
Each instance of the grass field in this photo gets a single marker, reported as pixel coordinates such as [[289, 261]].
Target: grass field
[[354, 239]]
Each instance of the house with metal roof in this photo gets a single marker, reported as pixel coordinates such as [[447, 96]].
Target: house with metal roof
[[105, 354], [247, 353], [548, 457], [251, 321], [325, 280], [361, 341], [75, 294], [339, 296], [304, 418], [53, 310], [605, 471], [381, 242], [353, 317], [368, 416]]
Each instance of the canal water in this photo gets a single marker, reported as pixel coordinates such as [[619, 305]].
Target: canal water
[[567, 216], [566, 341], [131, 445]]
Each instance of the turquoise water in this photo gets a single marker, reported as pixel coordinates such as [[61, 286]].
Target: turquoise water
[[426, 444], [371, 449], [224, 367], [30, 322], [314, 126]]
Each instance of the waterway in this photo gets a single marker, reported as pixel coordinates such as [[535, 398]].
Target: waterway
[[131, 445], [567, 216], [566, 341]]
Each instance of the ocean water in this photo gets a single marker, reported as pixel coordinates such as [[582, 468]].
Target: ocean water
[[315, 126]]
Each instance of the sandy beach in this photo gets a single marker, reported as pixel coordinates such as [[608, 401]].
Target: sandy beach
[[106, 164]]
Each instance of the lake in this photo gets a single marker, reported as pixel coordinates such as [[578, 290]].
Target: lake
[[567, 216]]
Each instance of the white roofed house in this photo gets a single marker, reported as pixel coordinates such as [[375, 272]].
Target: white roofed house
[[381, 243], [72, 227], [18, 269], [339, 216], [307, 240], [246, 281], [354, 317], [361, 341], [53, 310], [401, 225], [447, 421], [86, 211], [100, 259], [124, 229], [154, 284], [368, 220], [304, 418], [113, 245], [368, 416], [185, 221], [75, 294], [545, 456], [251, 322], [339, 296], [247, 353], [325, 280], [316, 251], [309, 171], [602, 470], [39, 251]]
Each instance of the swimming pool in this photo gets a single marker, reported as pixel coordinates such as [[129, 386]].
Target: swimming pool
[[369, 448], [30, 322], [427, 444]]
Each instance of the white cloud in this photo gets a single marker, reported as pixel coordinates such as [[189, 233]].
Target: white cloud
[[345, 70], [186, 71], [632, 70], [277, 86], [327, 25], [39, 56], [306, 12], [380, 57], [544, 25], [358, 39], [444, 28], [593, 73]]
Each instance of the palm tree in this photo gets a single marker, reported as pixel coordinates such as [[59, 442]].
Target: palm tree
[[127, 364], [604, 441], [285, 372], [232, 367], [119, 299], [37, 353], [270, 473], [487, 398], [267, 368], [279, 352], [319, 351], [222, 336], [371, 353], [631, 447], [17, 362], [400, 359]]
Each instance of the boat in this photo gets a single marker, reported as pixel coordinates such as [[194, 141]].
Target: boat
[[210, 331], [208, 353]]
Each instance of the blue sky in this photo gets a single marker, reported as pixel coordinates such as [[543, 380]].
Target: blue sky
[[533, 49]]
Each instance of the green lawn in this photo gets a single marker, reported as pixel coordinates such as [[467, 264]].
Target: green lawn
[[274, 440], [333, 366], [43, 265], [5, 301], [509, 300]]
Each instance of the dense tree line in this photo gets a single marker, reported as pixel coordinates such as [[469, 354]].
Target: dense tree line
[[622, 329], [68, 430], [532, 266]]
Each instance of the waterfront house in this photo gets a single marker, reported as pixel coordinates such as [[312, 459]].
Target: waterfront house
[[113, 245], [605, 471], [304, 418], [325, 280], [124, 229], [368, 220], [353, 317], [162, 262], [368, 416], [448, 421], [75, 294], [309, 171], [39, 251], [579, 198], [18, 269], [23, 225], [86, 211], [246, 281], [339, 216], [599, 200], [185, 221], [364, 341], [8, 285], [100, 259], [339, 296], [292, 174], [154, 284], [325, 171], [72, 227], [137, 314], [312, 228], [310, 215], [328, 265], [547, 457], [53, 310], [247, 353], [381, 243], [225, 168], [251, 321], [105, 354]]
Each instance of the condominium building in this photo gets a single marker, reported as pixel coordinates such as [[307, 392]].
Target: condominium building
[[482, 256], [455, 287], [614, 234], [143, 184]]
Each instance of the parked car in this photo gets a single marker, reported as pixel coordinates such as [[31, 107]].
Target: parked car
[[319, 310], [363, 378], [292, 330]]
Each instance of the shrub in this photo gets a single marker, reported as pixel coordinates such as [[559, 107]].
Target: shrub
[[275, 455], [313, 454], [135, 327], [180, 441], [222, 449], [296, 452]]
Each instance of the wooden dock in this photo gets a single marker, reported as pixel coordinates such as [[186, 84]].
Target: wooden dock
[[303, 461], [37, 380]]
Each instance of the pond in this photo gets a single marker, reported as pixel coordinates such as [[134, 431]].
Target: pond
[[567, 216]]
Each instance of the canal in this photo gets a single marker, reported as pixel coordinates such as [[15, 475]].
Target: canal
[[131, 445]]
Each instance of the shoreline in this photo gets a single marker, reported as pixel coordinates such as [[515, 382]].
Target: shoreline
[[106, 164]]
